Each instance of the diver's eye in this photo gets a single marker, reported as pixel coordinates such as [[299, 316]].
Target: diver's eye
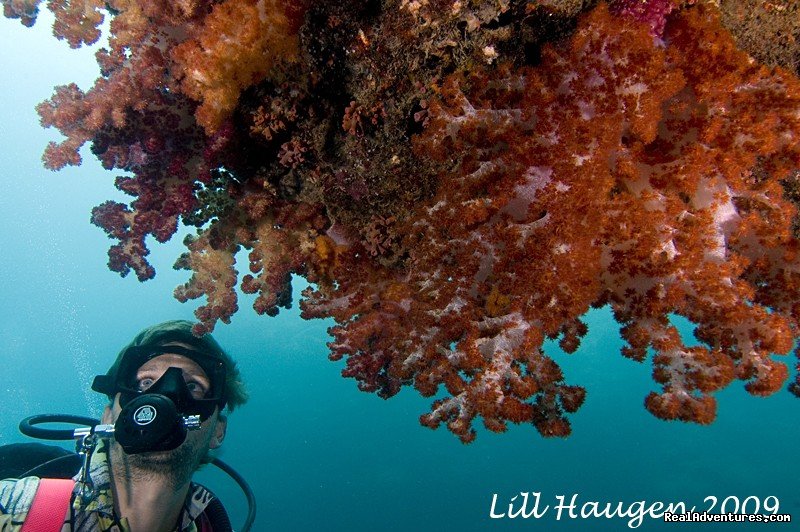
[[144, 383], [197, 390]]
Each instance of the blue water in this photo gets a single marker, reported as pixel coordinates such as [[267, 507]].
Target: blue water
[[319, 454]]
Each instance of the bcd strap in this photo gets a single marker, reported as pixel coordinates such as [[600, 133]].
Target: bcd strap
[[49, 505]]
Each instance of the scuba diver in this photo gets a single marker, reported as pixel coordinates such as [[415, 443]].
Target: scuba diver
[[167, 390]]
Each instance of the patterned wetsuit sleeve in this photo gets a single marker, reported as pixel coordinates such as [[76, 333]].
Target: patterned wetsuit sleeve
[[196, 502], [16, 497]]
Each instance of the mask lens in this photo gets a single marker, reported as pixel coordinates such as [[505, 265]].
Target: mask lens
[[197, 384], [207, 393]]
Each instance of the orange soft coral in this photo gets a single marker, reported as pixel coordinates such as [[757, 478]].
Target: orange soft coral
[[25, 10], [238, 44], [615, 173]]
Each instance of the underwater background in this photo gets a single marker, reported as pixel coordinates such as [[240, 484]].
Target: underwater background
[[319, 454]]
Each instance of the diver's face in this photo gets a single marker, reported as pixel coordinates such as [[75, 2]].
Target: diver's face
[[178, 465], [198, 383]]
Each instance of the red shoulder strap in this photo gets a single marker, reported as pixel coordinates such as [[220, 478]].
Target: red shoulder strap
[[49, 505], [203, 523]]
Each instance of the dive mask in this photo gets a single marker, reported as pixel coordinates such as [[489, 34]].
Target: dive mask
[[157, 418], [125, 383]]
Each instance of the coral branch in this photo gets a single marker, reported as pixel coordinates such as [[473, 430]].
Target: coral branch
[[238, 44], [25, 10]]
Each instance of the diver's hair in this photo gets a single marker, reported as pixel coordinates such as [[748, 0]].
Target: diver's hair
[[180, 331]]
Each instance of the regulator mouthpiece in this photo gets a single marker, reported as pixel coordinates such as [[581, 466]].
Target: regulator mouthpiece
[[151, 422]]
